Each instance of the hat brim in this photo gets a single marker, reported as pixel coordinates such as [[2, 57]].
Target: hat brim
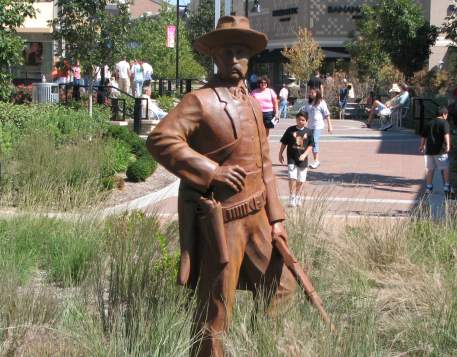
[[254, 40]]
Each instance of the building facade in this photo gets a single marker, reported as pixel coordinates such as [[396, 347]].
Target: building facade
[[332, 23], [40, 51], [39, 46]]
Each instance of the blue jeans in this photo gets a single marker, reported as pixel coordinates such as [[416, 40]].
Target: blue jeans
[[317, 138], [138, 88], [283, 109]]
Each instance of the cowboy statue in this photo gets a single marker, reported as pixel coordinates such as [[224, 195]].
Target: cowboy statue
[[229, 211]]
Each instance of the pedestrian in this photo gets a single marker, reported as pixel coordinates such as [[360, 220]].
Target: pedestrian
[[76, 70], [317, 111], [435, 144], [268, 101], [148, 71], [343, 94], [149, 108], [123, 75], [316, 82], [138, 77], [299, 142], [283, 101]]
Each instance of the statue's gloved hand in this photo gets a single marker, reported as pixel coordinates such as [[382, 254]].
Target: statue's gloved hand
[[232, 176], [278, 231]]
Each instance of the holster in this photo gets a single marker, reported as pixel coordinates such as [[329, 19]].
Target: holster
[[211, 222]]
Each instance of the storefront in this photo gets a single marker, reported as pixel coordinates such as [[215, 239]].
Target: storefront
[[332, 23]]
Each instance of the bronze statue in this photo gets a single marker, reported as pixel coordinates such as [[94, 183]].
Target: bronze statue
[[228, 205]]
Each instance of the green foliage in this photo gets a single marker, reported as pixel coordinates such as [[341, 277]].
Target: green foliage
[[65, 251], [304, 57], [64, 125], [141, 169], [166, 102], [12, 15], [392, 31], [200, 22], [90, 32], [450, 27], [119, 158], [144, 166], [149, 35]]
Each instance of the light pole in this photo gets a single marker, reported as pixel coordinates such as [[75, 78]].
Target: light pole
[[255, 7], [177, 38]]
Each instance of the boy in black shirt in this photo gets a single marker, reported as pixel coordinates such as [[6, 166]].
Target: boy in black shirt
[[435, 143], [299, 142]]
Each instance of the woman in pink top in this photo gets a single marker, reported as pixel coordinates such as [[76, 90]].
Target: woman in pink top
[[76, 69], [268, 101]]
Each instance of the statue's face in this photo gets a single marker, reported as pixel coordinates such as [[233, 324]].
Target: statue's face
[[232, 62]]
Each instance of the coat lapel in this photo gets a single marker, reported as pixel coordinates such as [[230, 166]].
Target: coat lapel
[[230, 108]]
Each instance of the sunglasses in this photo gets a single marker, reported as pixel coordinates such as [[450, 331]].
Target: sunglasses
[[262, 82]]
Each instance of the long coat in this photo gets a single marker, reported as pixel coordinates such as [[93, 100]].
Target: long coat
[[196, 137]]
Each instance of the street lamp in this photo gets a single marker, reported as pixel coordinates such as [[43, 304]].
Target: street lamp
[[255, 7], [185, 15]]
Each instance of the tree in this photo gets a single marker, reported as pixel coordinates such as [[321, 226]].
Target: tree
[[148, 43], [12, 15], [201, 22], [304, 57], [393, 29], [450, 27], [92, 34]]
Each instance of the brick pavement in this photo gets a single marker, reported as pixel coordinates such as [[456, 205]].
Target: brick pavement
[[363, 171]]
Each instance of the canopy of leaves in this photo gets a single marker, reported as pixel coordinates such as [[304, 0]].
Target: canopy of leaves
[[91, 33], [394, 30], [12, 15], [450, 27], [147, 40], [304, 57], [200, 22]]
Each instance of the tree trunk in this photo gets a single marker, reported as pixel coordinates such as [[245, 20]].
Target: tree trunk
[[91, 88]]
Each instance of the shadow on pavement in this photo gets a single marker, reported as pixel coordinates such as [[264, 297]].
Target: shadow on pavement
[[375, 181]]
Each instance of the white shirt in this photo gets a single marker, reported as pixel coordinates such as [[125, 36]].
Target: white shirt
[[316, 114], [283, 93], [123, 68], [147, 69]]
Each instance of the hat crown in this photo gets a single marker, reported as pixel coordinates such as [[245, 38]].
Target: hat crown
[[233, 22]]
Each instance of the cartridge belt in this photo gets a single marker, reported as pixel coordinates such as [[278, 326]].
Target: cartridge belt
[[240, 210]]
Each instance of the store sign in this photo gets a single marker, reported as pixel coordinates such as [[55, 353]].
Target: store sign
[[171, 34], [344, 9], [285, 12]]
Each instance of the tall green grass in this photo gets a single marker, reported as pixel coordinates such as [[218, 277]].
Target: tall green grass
[[389, 286]]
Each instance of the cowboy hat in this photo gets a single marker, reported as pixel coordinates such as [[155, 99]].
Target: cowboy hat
[[232, 30], [395, 88]]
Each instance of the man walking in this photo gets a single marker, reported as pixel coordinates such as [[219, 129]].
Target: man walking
[[435, 143], [228, 204], [283, 101], [123, 75]]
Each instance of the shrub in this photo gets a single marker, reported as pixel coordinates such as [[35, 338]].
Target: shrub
[[141, 169], [165, 102]]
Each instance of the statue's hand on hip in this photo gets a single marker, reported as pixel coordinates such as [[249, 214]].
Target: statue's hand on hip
[[232, 176]]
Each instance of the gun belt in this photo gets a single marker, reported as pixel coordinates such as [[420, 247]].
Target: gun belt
[[245, 208]]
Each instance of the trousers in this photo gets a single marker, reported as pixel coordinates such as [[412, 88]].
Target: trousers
[[253, 265]]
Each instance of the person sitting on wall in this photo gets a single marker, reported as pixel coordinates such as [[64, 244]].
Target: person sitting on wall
[[149, 108], [400, 100]]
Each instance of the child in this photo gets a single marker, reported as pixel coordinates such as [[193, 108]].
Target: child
[[435, 144], [299, 142]]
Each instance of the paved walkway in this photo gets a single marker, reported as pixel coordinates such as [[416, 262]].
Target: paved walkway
[[363, 171]]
